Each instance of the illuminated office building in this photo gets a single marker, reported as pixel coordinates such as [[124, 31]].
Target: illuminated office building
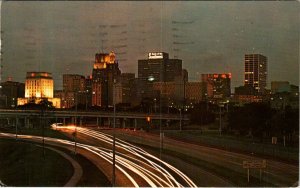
[[256, 71], [106, 72], [38, 86]]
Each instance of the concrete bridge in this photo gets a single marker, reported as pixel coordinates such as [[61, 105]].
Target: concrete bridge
[[99, 117]]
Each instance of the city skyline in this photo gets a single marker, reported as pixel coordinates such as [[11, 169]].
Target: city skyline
[[64, 42]]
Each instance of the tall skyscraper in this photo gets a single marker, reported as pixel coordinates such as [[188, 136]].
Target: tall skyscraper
[[106, 72], [256, 71], [157, 68]]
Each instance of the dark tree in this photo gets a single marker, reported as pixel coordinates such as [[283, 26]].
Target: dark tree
[[251, 119], [202, 114]]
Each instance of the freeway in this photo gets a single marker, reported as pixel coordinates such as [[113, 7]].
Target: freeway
[[277, 173], [138, 166]]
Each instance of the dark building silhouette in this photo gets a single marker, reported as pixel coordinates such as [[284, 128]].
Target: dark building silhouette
[[128, 83], [157, 68], [73, 82], [11, 91], [245, 90], [280, 86]]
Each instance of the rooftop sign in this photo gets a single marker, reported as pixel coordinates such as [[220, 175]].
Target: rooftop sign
[[155, 55]]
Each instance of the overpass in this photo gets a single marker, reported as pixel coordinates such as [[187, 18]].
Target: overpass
[[99, 116]]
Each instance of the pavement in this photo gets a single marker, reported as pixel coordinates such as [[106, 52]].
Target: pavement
[[101, 164], [77, 174], [277, 173]]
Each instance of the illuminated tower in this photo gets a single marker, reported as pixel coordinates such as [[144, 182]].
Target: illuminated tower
[[256, 71], [105, 71], [38, 86]]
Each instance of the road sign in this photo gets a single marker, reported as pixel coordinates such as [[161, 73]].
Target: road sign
[[255, 164]]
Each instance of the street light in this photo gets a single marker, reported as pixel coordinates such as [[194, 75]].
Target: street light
[[154, 105], [75, 132], [16, 129], [114, 137], [220, 118], [180, 125]]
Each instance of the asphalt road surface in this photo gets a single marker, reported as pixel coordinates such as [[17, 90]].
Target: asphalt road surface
[[276, 173], [134, 166]]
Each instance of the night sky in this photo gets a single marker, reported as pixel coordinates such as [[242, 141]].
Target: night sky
[[210, 37]]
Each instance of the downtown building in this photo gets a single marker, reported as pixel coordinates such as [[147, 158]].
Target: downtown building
[[216, 87], [11, 91], [157, 68], [74, 91], [283, 94], [128, 84], [39, 86], [179, 94], [105, 76], [246, 94], [256, 72]]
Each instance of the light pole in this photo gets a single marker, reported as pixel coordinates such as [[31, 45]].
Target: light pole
[[220, 118], [114, 137], [86, 99], [75, 133], [180, 125], [155, 105], [43, 105], [16, 129]]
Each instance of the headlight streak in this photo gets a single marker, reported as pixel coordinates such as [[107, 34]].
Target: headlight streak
[[150, 174], [118, 167], [154, 166], [139, 153], [137, 160], [105, 155]]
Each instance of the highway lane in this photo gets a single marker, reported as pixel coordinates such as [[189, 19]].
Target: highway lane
[[277, 173], [198, 175], [139, 162], [123, 179], [153, 169]]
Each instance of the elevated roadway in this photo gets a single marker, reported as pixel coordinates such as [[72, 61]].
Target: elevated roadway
[[99, 114]]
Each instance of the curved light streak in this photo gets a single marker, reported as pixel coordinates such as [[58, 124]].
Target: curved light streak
[[155, 172]]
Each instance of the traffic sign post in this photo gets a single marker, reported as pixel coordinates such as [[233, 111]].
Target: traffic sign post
[[258, 164]]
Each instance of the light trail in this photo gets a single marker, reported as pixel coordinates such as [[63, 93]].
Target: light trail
[[140, 152], [129, 158], [150, 163]]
